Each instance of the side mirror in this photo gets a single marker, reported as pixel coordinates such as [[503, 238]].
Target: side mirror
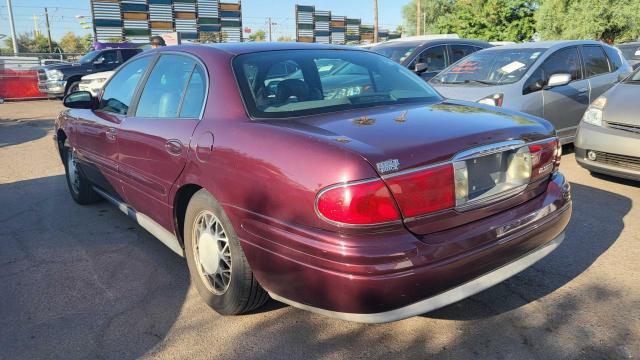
[[80, 100], [420, 68], [558, 80]]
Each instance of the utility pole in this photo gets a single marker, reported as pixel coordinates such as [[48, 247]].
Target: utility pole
[[418, 17], [270, 24], [375, 21], [46, 16], [13, 29]]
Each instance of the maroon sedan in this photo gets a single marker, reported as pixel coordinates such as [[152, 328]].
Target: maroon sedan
[[329, 178]]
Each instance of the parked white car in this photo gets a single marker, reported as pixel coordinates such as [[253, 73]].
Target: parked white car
[[94, 82]]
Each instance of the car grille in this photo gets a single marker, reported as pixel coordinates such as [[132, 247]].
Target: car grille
[[629, 162], [624, 127]]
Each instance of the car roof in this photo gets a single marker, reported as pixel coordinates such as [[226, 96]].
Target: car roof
[[630, 43], [431, 41], [251, 47], [546, 44]]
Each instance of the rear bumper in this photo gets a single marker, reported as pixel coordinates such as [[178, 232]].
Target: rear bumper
[[445, 298], [382, 277], [610, 141]]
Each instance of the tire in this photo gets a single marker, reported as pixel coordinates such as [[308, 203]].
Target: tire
[[72, 88], [80, 187], [211, 249]]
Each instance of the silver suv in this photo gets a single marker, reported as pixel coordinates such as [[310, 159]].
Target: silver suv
[[556, 80]]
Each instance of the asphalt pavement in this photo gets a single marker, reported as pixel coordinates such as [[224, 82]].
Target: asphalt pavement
[[87, 282]]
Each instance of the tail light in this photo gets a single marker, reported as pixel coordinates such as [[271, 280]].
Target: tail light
[[474, 178], [424, 191], [545, 158], [359, 203]]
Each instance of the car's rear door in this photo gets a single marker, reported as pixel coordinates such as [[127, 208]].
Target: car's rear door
[[153, 141], [564, 105], [95, 132], [597, 69]]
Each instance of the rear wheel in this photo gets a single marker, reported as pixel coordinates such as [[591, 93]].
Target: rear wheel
[[217, 265], [73, 87], [79, 186]]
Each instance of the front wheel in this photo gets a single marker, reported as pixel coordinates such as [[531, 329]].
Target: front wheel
[[79, 186], [73, 88], [217, 265]]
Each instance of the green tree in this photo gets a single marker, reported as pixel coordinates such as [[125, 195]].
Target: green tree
[[259, 35], [490, 20], [86, 42], [28, 44], [71, 43], [431, 10], [607, 20]]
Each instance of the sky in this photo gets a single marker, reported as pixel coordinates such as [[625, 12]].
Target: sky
[[255, 12]]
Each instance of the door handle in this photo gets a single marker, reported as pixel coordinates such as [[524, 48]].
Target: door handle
[[111, 134], [174, 147]]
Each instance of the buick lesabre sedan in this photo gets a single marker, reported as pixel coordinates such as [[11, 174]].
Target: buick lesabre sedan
[[362, 196]]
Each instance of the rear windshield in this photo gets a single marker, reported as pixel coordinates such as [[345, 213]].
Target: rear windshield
[[490, 67], [630, 52], [279, 84], [395, 52]]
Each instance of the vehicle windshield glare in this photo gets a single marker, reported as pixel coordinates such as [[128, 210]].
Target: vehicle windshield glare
[[88, 57], [634, 77], [490, 67], [630, 52], [278, 84], [395, 52]]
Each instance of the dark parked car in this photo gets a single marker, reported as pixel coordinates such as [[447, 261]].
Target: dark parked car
[[369, 205], [428, 56], [555, 80], [62, 79], [631, 52]]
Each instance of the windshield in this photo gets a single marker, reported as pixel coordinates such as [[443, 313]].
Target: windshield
[[630, 52], [395, 52], [88, 57], [278, 84], [490, 67], [634, 77]]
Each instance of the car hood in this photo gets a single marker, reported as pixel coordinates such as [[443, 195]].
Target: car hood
[[468, 92], [622, 104], [100, 75], [417, 135]]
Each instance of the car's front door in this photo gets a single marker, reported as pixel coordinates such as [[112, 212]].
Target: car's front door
[[96, 131], [597, 70], [153, 142], [564, 105]]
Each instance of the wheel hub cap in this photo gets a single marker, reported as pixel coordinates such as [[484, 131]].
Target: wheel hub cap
[[208, 252], [212, 253]]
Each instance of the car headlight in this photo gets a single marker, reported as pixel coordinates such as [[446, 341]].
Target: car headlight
[[344, 92], [493, 100], [54, 74], [98, 82], [593, 115]]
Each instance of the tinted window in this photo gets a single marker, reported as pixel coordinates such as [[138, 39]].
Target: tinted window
[[163, 90], [630, 52], [119, 91], [565, 61], [194, 97], [394, 51], [129, 53], [595, 61], [615, 60], [490, 67], [361, 79], [107, 57], [460, 51], [433, 57]]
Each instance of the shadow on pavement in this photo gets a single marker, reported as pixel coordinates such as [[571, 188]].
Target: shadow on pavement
[[81, 281], [18, 131]]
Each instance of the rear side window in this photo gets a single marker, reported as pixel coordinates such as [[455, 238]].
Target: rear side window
[[564, 61], [194, 96], [107, 57], [460, 51], [595, 61], [614, 56], [433, 57], [165, 87], [119, 91]]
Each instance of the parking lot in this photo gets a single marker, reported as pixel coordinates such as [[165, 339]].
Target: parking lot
[[87, 282]]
